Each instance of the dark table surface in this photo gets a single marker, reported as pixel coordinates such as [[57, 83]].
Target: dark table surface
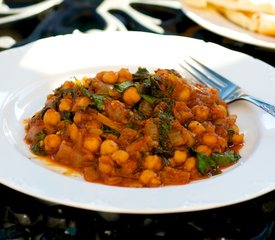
[[25, 217]]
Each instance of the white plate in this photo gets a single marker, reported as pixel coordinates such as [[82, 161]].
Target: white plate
[[215, 22], [31, 72]]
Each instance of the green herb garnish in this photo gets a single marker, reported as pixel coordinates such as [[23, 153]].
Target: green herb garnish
[[210, 164], [98, 100], [121, 87], [38, 148]]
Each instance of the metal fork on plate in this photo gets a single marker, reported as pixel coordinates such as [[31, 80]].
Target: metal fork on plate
[[228, 90]]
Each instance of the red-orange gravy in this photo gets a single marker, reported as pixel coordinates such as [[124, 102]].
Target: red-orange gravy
[[137, 129]]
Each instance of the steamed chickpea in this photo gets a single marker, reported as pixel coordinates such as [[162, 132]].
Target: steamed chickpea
[[92, 143], [209, 139], [201, 112], [80, 103], [79, 116], [51, 117], [90, 174], [179, 157], [108, 146], [222, 144], [191, 141], [105, 168], [131, 96], [120, 157], [149, 178], [129, 167], [153, 162], [68, 84], [93, 127], [237, 138], [65, 104], [105, 164], [124, 75], [190, 163], [73, 132], [196, 127], [204, 149], [184, 94], [109, 77], [218, 111], [52, 143]]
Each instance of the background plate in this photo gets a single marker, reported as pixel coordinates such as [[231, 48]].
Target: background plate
[[214, 22]]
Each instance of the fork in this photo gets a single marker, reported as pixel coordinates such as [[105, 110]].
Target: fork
[[228, 90]]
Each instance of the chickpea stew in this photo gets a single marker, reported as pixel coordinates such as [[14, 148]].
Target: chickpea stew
[[137, 129]]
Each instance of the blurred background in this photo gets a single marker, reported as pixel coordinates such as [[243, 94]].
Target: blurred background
[[24, 21]]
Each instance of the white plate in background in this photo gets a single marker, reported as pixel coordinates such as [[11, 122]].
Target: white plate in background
[[215, 22]]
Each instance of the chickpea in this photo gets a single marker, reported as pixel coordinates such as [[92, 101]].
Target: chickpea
[[94, 127], [86, 81], [73, 131], [190, 163], [179, 157], [184, 94], [201, 112], [196, 127], [99, 75], [90, 174], [214, 93], [209, 139], [113, 180], [218, 111], [190, 141], [96, 131], [80, 103], [124, 75], [105, 168], [237, 138], [106, 159], [51, 117], [68, 84], [109, 77], [120, 156], [79, 117], [65, 104], [108, 146], [222, 143], [204, 149], [93, 124], [153, 162], [129, 167], [52, 143], [88, 156], [131, 96], [105, 164], [92, 143], [235, 128], [149, 178]]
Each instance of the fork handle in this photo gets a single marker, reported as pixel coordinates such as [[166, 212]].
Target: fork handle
[[265, 106]]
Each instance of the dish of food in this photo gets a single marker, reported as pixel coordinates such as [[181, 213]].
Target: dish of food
[[136, 129], [31, 77], [232, 24]]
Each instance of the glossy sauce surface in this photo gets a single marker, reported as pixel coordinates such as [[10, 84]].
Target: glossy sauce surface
[[137, 129]]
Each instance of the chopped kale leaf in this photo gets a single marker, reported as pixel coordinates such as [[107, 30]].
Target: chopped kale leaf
[[121, 87], [210, 164]]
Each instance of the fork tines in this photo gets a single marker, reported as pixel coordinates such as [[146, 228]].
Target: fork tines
[[203, 74]]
